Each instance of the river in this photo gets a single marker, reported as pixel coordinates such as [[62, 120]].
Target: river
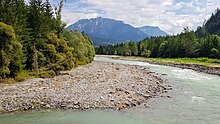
[[195, 99]]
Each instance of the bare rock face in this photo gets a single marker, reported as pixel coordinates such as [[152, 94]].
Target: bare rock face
[[95, 86]]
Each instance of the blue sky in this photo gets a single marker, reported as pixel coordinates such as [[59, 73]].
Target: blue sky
[[169, 15]]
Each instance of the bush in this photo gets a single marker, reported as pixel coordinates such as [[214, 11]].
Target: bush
[[215, 53]]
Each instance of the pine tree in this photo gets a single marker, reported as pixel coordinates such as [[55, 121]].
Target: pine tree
[[35, 15], [48, 20], [59, 25], [33, 36], [7, 12]]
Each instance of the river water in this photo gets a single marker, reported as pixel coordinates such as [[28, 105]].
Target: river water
[[195, 99]]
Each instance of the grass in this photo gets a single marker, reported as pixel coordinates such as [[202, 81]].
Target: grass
[[24, 75], [27, 74], [197, 61]]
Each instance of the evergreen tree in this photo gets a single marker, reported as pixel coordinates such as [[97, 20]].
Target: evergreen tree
[[34, 36], [7, 13], [59, 25]]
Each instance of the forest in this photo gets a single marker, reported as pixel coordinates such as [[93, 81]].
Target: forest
[[204, 42], [34, 41]]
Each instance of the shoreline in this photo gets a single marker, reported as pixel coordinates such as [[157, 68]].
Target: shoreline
[[199, 68], [98, 85], [195, 67]]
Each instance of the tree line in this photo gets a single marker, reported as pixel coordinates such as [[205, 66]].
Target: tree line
[[185, 44], [33, 37], [204, 42]]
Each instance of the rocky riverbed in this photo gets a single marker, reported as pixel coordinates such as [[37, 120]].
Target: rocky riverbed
[[98, 85]]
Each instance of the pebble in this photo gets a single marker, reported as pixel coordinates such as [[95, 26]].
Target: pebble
[[97, 85]]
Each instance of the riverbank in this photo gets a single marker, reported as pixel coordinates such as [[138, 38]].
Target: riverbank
[[95, 86], [199, 67]]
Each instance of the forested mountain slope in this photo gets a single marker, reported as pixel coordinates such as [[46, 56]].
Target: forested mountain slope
[[211, 26]]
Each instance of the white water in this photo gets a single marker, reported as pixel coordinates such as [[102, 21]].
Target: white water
[[195, 99]]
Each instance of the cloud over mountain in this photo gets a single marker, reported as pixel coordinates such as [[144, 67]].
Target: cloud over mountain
[[169, 15]]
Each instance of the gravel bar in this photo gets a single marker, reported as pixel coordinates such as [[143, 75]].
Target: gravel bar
[[97, 85]]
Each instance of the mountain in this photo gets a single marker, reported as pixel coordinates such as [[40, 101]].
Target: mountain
[[211, 26], [108, 31], [153, 31]]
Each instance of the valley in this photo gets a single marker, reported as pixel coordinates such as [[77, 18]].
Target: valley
[[109, 62]]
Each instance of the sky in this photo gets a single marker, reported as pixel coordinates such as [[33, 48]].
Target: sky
[[170, 15]]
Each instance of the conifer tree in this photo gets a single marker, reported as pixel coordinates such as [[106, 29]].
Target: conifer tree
[[33, 36]]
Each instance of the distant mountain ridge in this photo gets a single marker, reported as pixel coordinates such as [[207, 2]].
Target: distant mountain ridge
[[153, 31], [108, 31]]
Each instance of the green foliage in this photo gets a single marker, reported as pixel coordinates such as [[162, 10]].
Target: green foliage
[[4, 63], [24, 74], [35, 61], [10, 60], [33, 38], [212, 25], [198, 61], [47, 74], [126, 50], [185, 44], [205, 42], [134, 49], [82, 47], [215, 53], [146, 53]]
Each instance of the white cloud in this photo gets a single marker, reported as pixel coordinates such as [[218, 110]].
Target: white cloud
[[169, 15]]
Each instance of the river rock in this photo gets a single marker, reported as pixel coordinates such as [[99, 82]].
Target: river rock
[[97, 85]]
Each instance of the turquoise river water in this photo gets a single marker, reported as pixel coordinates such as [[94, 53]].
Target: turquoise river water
[[195, 99]]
